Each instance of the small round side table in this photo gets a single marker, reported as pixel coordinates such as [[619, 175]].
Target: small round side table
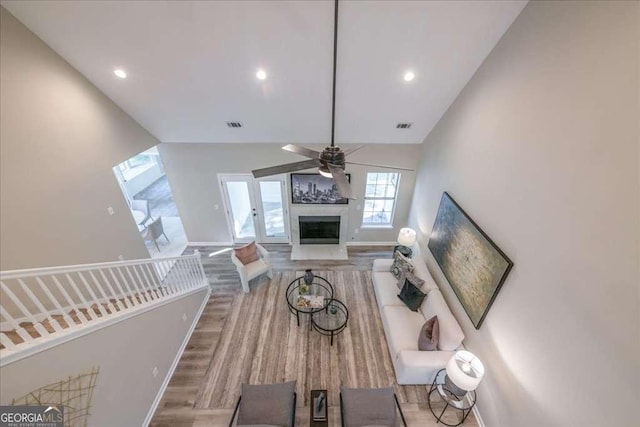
[[463, 403], [332, 320]]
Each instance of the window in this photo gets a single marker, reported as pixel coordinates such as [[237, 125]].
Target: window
[[380, 198]]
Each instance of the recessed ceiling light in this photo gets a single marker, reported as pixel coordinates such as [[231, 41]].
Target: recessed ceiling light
[[408, 76], [261, 74], [120, 73]]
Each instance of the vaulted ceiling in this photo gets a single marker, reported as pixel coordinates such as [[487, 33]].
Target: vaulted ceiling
[[192, 65]]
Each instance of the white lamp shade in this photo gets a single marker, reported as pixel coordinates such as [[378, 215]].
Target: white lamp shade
[[407, 236], [465, 370]]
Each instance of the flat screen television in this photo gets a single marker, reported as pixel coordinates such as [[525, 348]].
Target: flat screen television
[[315, 189]]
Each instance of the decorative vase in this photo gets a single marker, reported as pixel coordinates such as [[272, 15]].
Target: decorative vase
[[333, 309], [308, 277]]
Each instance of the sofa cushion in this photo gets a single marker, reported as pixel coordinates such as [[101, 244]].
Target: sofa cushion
[[400, 265], [420, 270], [411, 296], [270, 404], [429, 334], [382, 265], [402, 328], [411, 278], [247, 253], [451, 334], [384, 285]]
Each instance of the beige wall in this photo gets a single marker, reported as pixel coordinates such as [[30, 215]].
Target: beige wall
[[59, 139], [192, 170], [541, 149], [125, 350]]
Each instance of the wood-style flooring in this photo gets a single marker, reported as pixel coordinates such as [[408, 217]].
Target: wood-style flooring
[[254, 338]]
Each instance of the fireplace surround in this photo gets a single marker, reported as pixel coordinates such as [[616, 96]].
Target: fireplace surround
[[319, 230]]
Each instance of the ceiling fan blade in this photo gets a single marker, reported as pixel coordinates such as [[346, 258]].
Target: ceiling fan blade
[[307, 152], [289, 167], [381, 166], [344, 188], [352, 150]]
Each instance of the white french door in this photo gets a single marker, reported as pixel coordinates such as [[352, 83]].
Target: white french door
[[256, 208]]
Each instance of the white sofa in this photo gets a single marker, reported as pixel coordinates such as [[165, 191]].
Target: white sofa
[[402, 326]]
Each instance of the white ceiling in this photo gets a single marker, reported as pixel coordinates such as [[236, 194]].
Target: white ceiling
[[192, 65]]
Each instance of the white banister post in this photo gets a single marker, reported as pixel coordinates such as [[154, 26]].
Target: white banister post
[[30, 317], [91, 314], [125, 284], [110, 306], [71, 302], [95, 298], [151, 278], [121, 296], [141, 295], [22, 333], [53, 322], [142, 284], [204, 276], [65, 316], [119, 303]]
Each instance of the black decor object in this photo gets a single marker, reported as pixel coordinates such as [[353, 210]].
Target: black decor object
[[411, 296], [473, 265], [315, 189]]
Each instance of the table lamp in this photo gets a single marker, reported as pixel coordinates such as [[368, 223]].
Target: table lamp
[[464, 373], [406, 239]]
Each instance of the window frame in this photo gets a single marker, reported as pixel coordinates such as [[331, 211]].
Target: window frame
[[385, 198]]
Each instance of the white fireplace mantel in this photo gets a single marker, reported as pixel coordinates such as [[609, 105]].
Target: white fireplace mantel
[[317, 252]]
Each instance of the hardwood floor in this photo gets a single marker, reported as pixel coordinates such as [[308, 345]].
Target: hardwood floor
[[254, 338]]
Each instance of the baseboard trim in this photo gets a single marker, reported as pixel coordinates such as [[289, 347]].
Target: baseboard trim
[[476, 413], [210, 244], [174, 365], [371, 243]]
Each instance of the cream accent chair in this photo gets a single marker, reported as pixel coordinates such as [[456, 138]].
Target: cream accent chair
[[254, 269]]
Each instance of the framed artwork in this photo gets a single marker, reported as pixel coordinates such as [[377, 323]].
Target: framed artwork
[[473, 265], [313, 188]]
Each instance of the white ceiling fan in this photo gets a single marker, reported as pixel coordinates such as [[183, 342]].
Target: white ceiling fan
[[331, 162]]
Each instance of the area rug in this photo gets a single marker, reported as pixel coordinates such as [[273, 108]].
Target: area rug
[[260, 343]]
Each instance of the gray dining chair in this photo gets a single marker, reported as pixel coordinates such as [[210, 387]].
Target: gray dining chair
[[266, 405], [154, 231], [142, 206], [361, 407]]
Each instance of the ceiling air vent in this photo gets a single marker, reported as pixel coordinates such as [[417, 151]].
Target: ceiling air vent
[[403, 125], [234, 124]]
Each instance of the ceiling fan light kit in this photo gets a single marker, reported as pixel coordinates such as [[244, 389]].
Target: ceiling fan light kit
[[331, 162]]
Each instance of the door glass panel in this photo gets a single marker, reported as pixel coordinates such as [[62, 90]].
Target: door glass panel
[[241, 213], [271, 196]]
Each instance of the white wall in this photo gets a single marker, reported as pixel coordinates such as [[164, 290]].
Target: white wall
[[541, 149], [125, 353], [59, 139], [192, 171]]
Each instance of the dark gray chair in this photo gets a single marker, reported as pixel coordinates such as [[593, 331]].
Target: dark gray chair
[[266, 405], [142, 206], [154, 231], [361, 407]]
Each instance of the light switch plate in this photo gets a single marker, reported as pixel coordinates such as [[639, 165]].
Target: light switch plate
[[155, 371], [110, 210]]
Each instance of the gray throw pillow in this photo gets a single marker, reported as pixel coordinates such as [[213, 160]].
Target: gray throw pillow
[[415, 280], [411, 296], [268, 404], [429, 335], [400, 265], [368, 407]]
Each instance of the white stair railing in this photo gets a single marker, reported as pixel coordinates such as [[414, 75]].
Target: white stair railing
[[40, 305]]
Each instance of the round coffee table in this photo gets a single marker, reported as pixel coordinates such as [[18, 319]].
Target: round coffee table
[[332, 320], [320, 292]]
